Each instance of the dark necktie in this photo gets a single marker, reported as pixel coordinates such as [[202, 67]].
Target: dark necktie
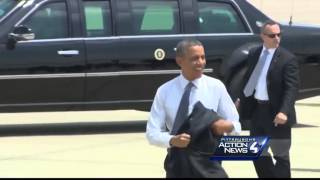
[[253, 80], [182, 112]]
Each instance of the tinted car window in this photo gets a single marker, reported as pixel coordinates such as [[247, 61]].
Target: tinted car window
[[219, 18], [49, 21], [155, 17], [97, 18]]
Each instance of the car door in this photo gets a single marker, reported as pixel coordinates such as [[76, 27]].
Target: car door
[[125, 66], [48, 71], [148, 38], [155, 28], [102, 47], [139, 56]]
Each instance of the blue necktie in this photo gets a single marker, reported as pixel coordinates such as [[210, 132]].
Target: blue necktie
[[182, 113], [253, 80]]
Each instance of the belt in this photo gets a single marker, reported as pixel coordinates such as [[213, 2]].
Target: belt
[[262, 101]]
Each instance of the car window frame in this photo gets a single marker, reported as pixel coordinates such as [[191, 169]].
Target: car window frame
[[83, 19], [41, 4], [178, 16], [12, 11], [236, 9]]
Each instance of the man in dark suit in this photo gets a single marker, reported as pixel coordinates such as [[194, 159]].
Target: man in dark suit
[[268, 97]]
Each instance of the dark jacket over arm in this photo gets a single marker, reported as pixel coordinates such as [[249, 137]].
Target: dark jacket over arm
[[193, 161]]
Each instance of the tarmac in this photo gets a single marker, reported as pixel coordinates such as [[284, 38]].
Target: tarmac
[[106, 144]]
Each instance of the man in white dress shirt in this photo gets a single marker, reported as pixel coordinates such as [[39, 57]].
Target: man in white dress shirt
[[211, 92]]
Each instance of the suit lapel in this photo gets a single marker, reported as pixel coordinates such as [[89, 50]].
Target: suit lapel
[[273, 63], [256, 57], [253, 62]]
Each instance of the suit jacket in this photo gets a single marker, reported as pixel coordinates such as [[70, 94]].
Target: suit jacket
[[194, 161], [282, 84]]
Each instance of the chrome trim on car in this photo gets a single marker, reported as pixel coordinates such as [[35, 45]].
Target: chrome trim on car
[[95, 74], [42, 76], [243, 16], [185, 35], [136, 37], [136, 73], [52, 40], [76, 103], [68, 52]]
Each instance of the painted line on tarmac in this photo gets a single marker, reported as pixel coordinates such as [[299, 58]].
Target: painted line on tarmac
[[308, 104], [306, 170], [304, 126]]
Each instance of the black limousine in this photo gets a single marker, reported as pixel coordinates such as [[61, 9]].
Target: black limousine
[[114, 54]]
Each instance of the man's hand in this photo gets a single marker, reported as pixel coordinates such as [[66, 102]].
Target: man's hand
[[180, 140], [280, 118], [221, 126]]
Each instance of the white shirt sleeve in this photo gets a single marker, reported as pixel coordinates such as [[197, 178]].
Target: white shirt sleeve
[[157, 133], [227, 110]]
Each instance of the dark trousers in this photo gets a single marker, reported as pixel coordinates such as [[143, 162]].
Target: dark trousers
[[280, 142], [184, 163]]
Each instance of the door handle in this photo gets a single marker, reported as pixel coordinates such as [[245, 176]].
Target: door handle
[[68, 52]]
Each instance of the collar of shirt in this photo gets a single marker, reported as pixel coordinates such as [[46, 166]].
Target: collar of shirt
[[184, 82], [270, 51]]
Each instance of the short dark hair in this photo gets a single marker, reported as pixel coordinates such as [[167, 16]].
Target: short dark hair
[[268, 23], [184, 45]]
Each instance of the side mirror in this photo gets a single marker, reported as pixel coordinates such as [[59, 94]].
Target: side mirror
[[20, 33]]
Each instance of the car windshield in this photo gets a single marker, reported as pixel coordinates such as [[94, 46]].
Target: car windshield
[[6, 6]]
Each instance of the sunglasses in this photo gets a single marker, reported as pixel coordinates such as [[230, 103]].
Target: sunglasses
[[273, 35]]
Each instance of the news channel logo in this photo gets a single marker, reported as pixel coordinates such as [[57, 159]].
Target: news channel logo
[[240, 147]]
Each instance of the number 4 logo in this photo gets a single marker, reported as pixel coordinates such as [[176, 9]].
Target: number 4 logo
[[254, 148]]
